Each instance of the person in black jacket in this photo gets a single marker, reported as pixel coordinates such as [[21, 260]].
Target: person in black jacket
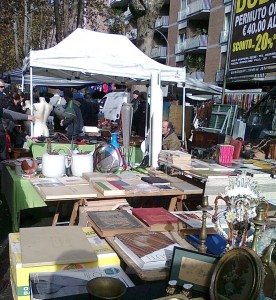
[[90, 108], [72, 123], [13, 116], [141, 115]]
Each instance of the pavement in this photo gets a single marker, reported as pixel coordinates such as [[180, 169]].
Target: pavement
[[5, 229], [5, 287]]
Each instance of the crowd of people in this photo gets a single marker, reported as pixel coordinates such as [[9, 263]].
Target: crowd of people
[[15, 119], [51, 109]]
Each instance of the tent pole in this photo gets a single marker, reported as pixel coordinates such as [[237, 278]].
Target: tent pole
[[183, 117], [31, 100], [156, 112], [22, 82]]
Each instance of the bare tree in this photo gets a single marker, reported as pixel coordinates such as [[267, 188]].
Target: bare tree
[[145, 13], [69, 14]]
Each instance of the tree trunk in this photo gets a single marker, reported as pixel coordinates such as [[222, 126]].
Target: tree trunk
[[29, 30], [25, 35], [41, 44], [57, 21], [145, 12], [66, 19], [80, 13], [74, 16], [15, 30]]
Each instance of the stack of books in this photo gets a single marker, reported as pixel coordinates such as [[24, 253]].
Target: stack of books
[[64, 188], [110, 187], [178, 159]]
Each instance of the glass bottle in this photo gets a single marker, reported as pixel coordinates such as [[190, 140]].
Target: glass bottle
[[187, 290], [171, 288]]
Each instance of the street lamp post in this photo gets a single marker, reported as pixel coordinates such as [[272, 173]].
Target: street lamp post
[[168, 48]]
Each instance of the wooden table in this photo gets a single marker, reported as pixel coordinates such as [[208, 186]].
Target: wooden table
[[150, 275], [21, 194], [177, 197]]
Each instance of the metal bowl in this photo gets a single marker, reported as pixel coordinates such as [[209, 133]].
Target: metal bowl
[[101, 288]]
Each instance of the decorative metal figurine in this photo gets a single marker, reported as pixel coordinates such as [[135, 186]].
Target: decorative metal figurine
[[241, 198]]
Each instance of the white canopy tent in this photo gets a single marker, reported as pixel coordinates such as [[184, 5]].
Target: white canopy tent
[[99, 57]]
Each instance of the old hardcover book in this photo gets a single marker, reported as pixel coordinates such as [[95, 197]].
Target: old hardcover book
[[149, 250], [108, 189], [55, 245], [156, 180], [66, 192], [157, 218], [97, 176], [72, 180], [71, 284], [112, 222], [194, 219], [119, 184]]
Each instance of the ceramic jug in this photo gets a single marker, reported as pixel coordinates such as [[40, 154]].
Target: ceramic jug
[[53, 165], [81, 163]]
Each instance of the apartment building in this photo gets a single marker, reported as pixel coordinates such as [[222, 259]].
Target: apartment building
[[194, 34]]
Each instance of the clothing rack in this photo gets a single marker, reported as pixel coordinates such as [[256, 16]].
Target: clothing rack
[[244, 99]]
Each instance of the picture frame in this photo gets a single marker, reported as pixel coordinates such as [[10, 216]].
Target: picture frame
[[193, 267], [238, 275]]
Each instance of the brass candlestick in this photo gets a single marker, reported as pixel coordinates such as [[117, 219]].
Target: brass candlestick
[[203, 232], [259, 221], [266, 257]]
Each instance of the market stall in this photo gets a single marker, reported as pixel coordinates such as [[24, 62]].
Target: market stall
[[88, 56]]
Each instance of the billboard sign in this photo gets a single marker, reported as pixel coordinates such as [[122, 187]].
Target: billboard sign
[[253, 43]]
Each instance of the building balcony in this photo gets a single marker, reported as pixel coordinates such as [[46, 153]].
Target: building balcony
[[182, 16], [223, 39], [179, 58], [196, 44], [118, 3], [227, 2], [182, 25], [199, 75], [159, 53], [132, 34], [179, 48], [162, 23], [199, 10], [219, 76]]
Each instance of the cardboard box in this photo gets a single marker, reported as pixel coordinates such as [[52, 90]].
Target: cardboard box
[[71, 284], [20, 275], [22, 295]]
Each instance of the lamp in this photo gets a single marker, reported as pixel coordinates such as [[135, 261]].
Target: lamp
[[259, 221], [202, 248]]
